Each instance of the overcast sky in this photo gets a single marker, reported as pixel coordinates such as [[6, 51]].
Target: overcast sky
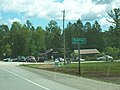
[[40, 12]]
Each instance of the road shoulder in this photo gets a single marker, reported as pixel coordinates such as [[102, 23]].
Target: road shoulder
[[74, 81]]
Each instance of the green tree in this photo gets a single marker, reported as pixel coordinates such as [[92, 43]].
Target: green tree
[[112, 51], [68, 37], [30, 40], [18, 36], [115, 15], [53, 36], [88, 34], [97, 36], [4, 39], [74, 30], [39, 37], [93, 34], [109, 37], [78, 29]]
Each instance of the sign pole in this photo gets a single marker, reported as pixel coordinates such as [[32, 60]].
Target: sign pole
[[79, 59], [79, 41]]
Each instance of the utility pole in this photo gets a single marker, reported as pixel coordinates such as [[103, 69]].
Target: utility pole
[[64, 37]]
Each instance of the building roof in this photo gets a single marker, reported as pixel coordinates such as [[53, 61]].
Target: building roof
[[87, 51], [49, 51]]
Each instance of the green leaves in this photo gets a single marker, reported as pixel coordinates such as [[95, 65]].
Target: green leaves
[[25, 39], [53, 36], [112, 51], [21, 39], [115, 15]]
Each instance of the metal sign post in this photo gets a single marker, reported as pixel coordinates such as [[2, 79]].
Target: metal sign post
[[79, 41], [79, 59]]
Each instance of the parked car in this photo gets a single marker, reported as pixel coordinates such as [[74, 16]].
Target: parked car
[[60, 59], [41, 57], [30, 59], [105, 58], [14, 60], [21, 59], [7, 60], [81, 59]]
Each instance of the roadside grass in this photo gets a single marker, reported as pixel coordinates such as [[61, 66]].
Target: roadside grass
[[103, 71]]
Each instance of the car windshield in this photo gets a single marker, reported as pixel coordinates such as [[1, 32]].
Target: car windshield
[[59, 44]]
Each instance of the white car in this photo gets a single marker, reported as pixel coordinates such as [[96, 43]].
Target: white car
[[81, 59], [30, 59], [7, 60], [60, 59], [105, 57]]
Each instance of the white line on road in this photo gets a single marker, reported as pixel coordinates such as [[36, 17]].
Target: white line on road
[[25, 79]]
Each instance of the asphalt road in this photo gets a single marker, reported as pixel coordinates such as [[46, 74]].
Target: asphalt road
[[13, 77]]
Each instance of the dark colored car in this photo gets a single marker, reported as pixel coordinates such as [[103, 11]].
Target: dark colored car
[[42, 57]]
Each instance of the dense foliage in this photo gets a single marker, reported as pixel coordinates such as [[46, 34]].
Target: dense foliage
[[25, 39]]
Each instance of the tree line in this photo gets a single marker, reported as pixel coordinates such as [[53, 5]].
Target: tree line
[[25, 39]]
